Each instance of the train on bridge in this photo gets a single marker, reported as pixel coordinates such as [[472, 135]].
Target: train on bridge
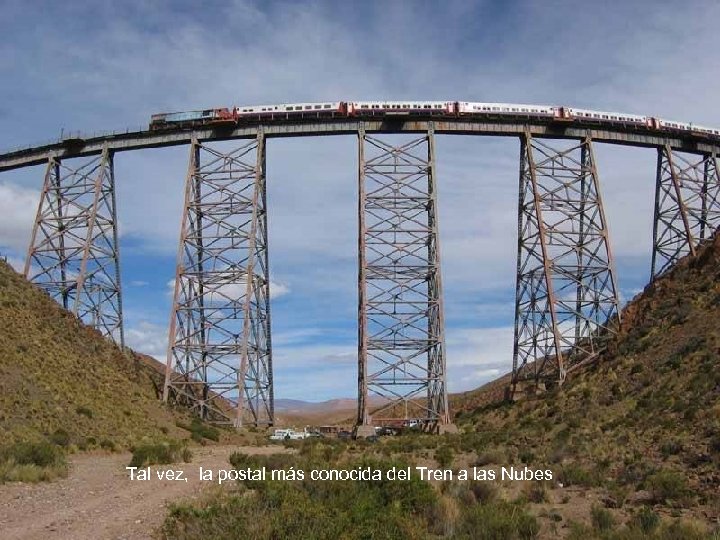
[[455, 109]]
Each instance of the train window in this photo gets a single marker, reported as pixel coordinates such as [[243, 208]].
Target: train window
[[318, 106], [288, 108], [328, 106], [308, 107], [298, 108]]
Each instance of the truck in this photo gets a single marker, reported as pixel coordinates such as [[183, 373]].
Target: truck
[[289, 434]]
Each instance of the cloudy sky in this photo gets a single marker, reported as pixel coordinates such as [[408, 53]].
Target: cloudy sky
[[108, 65]]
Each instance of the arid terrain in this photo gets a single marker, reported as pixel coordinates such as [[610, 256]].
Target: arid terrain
[[98, 500], [632, 439]]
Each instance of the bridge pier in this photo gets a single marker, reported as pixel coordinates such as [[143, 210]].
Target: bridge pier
[[73, 253], [219, 359], [401, 335], [687, 205], [566, 291]]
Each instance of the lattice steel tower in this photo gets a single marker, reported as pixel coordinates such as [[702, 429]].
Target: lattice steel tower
[[219, 353], [687, 205], [401, 334], [566, 294], [73, 253]]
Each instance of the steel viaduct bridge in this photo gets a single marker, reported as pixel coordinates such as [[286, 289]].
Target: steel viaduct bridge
[[219, 358]]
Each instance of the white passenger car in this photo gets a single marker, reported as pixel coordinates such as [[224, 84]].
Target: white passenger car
[[604, 116], [289, 108], [514, 109], [400, 107]]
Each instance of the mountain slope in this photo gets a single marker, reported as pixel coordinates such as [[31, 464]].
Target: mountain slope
[[645, 418], [56, 373]]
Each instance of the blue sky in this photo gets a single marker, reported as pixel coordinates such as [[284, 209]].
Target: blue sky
[[98, 66]]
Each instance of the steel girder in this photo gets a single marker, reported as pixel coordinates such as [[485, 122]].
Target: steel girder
[[74, 253], [687, 206], [219, 359], [401, 338], [566, 292]]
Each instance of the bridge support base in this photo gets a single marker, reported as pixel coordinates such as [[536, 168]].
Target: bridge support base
[[363, 431]]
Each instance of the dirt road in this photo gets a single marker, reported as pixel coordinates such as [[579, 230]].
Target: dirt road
[[98, 500]]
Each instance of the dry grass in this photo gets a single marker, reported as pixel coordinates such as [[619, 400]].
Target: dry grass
[[58, 376]]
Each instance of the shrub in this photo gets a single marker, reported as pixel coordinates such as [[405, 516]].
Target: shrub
[[491, 457], [107, 444], [199, 430], [497, 520], [526, 456], [160, 453], [60, 437], [484, 492], [668, 486], [671, 448], [602, 519], [32, 462], [646, 520], [314, 509], [444, 456], [575, 475], [84, 411], [536, 493]]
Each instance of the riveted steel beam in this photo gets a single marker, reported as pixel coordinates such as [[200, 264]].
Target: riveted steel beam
[[401, 349], [74, 253], [611, 133], [566, 291], [687, 206], [219, 359]]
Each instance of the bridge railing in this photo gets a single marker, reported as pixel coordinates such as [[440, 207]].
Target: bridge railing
[[73, 134]]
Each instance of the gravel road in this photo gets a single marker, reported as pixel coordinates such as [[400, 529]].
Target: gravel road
[[99, 501]]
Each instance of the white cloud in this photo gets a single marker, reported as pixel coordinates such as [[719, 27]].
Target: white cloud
[[236, 290], [76, 77], [148, 338], [18, 206]]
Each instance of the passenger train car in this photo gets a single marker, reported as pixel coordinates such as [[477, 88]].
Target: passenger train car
[[391, 108], [373, 108]]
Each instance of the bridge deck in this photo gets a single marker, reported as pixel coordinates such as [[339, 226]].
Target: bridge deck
[[610, 132]]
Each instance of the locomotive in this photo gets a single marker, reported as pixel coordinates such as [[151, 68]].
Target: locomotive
[[475, 110]]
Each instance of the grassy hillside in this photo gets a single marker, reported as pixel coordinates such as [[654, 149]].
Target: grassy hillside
[[642, 425], [57, 374]]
